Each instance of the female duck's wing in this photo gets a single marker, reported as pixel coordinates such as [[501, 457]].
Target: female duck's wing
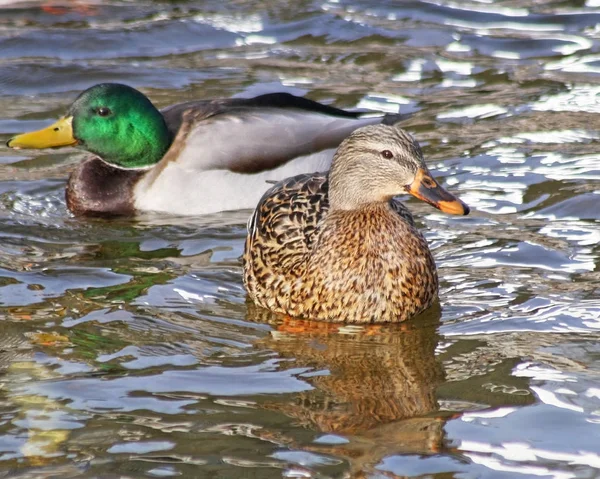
[[257, 134], [283, 228]]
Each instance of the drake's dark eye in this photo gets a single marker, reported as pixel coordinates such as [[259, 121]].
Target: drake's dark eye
[[103, 111], [387, 154]]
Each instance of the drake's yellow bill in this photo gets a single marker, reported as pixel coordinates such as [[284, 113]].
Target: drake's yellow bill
[[56, 135]]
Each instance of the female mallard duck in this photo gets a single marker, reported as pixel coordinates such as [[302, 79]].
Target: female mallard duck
[[191, 158], [337, 246]]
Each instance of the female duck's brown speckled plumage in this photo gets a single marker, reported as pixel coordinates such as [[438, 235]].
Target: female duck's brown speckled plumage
[[337, 246]]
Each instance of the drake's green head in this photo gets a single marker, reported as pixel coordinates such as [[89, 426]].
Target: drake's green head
[[115, 122]]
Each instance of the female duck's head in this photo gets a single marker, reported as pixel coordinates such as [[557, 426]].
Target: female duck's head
[[115, 122], [376, 163]]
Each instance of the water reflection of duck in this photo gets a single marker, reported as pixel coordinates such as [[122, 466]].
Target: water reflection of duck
[[337, 246], [379, 390], [191, 158]]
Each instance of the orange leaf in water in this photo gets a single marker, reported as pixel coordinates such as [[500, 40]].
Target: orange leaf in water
[[48, 339]]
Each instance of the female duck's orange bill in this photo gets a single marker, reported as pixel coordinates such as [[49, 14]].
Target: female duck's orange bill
[[54, 136], [427, 189]]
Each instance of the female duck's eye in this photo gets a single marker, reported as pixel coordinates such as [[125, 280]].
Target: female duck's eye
[[387, 154], [103, 111]]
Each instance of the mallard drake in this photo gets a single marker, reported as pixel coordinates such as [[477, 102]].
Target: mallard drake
[[337, 246], [191, 158]]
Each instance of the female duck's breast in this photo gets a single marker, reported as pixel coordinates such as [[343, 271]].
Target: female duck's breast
[[376, 268]]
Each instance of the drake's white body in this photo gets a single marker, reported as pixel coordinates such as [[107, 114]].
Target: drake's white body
[[176, 191]]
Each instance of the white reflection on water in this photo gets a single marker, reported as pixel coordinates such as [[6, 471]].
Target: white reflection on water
[[140, 447], [118, 394], [556, 316], [584, 64], [559, 167], [549, 136], [474, 111], [462, 68], [454, 83], [508, 453], [487, 8], [233, 23], [458, 47], [548, 397], [580, 97], [573, 231], [532, 443], [485, 28], [413, 73], [256, 40], [506, 55], [384, 102]]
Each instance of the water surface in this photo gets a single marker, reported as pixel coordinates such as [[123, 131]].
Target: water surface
[[128, 348]]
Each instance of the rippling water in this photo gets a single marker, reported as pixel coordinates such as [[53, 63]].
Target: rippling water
[[127, 347]]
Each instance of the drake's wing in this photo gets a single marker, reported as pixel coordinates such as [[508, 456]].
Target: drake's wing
[[258, 134]]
